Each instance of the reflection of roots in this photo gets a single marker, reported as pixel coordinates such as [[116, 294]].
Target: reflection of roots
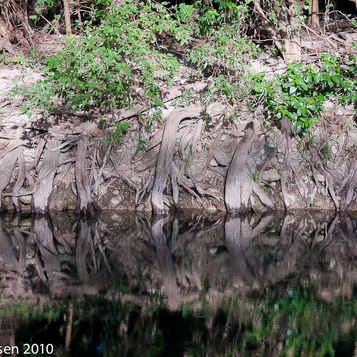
[[179, 260]]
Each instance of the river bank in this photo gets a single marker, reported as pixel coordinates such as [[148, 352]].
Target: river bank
[[179, 156]]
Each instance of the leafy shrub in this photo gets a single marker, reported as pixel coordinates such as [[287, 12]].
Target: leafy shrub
[[300, 92], [226, 47], [123, 54], [104, 65], [225, 52]]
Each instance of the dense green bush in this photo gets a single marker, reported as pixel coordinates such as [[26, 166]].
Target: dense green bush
[[299, 93], [123, 54], [104, 65]]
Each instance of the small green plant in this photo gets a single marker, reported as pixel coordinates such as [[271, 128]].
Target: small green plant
[[19, 59], [39, 96], [121, 129], [141, 146], [187, 163], [188, 95], [188, 146], [153, 118], [16, 59], [325, 150], [255, 175], [4, 57]]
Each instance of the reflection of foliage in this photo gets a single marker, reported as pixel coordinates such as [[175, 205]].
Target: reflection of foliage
[[121, 286], [294, 323], [300, 323], [24, 311]]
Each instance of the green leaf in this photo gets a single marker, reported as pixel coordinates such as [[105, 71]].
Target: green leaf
[[292, 90], [324, 76], [336, 79], [292, 116], [313, 107], [298, 126], [304, 86]]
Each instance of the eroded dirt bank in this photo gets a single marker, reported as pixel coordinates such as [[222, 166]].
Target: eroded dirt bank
[[188, 158]]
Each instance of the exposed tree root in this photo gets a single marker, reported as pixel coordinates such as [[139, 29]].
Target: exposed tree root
[[239, 184], [85, 203], [20, 177], [329, 181], [7, 164], [43, 186], [166, 154], [351, 187], [258, 170]]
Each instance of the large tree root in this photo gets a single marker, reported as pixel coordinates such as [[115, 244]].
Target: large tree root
[[20, 178], [237, 191], [239, 184], [43, 186], [166, 154], [85, 203], [7, 164]]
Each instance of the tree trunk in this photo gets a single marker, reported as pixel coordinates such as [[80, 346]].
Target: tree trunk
[[67, 16], [291, 34], [313, 19], [282, 21]]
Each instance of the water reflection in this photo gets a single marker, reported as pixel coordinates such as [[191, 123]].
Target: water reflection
[[270, 284]]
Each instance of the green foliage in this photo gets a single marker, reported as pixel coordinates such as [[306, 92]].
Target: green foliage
[[39, 96], [142, 144], [225, 51], [121, 286], [224, 56], [255, 175], [102, 66], [122, 128], [122, 54], [225, 12], [299, 93], [16, 59]]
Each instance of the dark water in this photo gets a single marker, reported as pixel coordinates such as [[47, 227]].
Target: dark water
[[193, 285]]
